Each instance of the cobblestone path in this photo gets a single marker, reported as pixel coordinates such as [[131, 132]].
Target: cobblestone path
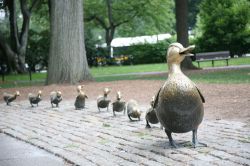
[[87, 137]]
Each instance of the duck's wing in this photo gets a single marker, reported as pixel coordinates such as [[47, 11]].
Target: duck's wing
[[156, 99], [202, 97]]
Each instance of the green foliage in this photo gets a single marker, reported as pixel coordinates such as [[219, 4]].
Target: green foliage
[[90, 42], [224, 25], [40, 17], [38, 45], [132, 18], [193, 10], [148, 53], [157, 16], [38, 49]]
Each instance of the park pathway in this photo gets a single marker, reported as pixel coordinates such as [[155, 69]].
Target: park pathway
[[88, 137]]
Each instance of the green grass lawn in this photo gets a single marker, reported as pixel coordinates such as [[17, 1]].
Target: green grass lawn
[[110, 70], [225, 77], [232, 62], [228, 77], [109, 73]]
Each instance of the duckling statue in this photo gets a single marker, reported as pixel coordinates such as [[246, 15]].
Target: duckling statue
[[133, 110], [8, 98], [151, 114], [118, 105], [35, 99], [55, 98], [80, 98], [179, 103], [103, 101]]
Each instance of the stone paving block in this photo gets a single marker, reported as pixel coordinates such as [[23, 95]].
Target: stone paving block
[[87, 137]]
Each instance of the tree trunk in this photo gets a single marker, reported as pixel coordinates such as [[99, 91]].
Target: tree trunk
[[110, 31], [181, 7], [67, 56], [10, 56], [109, 37], [15, 52]]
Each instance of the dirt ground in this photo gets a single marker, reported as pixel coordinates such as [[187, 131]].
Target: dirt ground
[[223, 101]]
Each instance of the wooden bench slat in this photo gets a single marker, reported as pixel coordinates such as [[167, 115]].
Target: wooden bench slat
[[217, 59], [212, 56]]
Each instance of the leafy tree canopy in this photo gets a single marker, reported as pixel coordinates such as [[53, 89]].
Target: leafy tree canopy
[[224, 25], [132, 18]]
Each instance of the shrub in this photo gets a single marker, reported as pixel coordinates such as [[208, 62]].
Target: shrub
[[224, 25], [146, 53]]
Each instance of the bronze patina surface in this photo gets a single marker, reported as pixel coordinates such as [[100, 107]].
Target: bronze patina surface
[[35, 99], [119, 105], [179, 103], [151, 114], [103, 101], [133, 110], [8, 98], [55, 98]]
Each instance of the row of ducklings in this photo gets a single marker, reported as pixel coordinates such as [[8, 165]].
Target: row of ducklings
[[55, 97], [119, 105], [103, 101]]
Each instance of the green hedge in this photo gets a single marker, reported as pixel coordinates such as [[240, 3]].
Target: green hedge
[[146, 53]]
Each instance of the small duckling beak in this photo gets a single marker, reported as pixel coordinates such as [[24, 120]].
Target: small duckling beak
[[186, 51]]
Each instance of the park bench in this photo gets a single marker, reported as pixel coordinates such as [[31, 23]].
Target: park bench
[[212, 56]]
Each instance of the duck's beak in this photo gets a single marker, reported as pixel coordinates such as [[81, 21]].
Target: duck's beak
[[186, 51]]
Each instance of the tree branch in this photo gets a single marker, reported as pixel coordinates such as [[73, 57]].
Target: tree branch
[[110, 16], [13, 24], [26, 12], [26, 19], [11, 57], [98, 19], [127, 20], [34, 4]]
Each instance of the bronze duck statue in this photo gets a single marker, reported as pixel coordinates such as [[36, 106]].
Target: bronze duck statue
[[80, 98], [103, 101], [133, 110], [55, 98], [8, 98], [118, 105], [179, 103], [35, 99], [151, 114]]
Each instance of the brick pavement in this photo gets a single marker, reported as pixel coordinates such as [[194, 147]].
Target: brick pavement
[[87, 137]]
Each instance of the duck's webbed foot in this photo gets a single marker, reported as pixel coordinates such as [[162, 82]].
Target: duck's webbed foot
[[130, 118], [171, 141], [195, 141], [148, 125]]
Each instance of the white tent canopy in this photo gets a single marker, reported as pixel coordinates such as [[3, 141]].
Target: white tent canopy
[[128, 41]]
